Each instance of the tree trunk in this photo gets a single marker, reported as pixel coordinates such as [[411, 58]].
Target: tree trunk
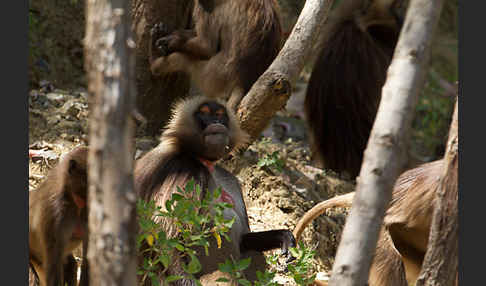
[[110, 64], [440, 262], [155, 94], [385, 155], [272, 90]]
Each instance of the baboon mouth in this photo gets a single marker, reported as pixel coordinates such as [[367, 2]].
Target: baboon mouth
[[216, 128], [216, 138]]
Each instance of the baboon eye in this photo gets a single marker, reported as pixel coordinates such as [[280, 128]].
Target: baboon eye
[[205, 109], [220, 112]]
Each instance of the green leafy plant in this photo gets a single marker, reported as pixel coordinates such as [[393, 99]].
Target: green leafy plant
[[299, 269], [235, 270], [271, 161], [196, 221]]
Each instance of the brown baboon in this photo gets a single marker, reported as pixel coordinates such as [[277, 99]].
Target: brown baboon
[[403, 239], [58, 220], [201, 132], [344, 90], [33, 278], [232, 44]]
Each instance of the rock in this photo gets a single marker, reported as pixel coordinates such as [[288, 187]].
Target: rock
[[70, 108]]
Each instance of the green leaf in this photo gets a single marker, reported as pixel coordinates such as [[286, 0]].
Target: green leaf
[[168, 205], [172, 278], [244, 282], [243, 264], [217, 193], [295, 252], [189, 186], [155, 280], [225, 267], [196, 237], [194, 265], [165, 259], [177, 197], [179, 247]]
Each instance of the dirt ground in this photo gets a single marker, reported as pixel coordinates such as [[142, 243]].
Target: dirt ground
[[58, 121]]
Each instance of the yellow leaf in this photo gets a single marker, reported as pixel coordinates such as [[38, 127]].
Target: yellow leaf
[[218, 239], [150, 239]]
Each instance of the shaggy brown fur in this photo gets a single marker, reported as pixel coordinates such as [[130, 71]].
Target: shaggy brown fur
[[232, 44], [344, 90], [58, 220], [33, 278], [404, 236], [184, 154]]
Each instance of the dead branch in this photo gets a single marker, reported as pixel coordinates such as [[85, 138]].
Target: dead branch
[[272, 90]]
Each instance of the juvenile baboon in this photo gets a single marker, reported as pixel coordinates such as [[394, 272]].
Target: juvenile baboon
[[58, 220], [344, 90], [403, 239], [201, 132], [232, 44]]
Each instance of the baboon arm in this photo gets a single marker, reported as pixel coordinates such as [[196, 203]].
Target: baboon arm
[[199, 48], [266, 240], [70, 271], [54, 267]]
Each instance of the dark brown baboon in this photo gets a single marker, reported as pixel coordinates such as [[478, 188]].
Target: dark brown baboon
[[232, 44], [344, 90], [404, 236], [58, 220], [201, 132]]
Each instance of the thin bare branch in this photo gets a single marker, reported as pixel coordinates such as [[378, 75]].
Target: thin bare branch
[[272, 90], [385, 155]]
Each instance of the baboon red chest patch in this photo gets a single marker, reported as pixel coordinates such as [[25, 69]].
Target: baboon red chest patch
[[226, 198]]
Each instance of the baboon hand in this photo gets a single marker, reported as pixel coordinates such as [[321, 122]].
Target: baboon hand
[[158, 32], [170, 43], [287, 243], [162, 46]]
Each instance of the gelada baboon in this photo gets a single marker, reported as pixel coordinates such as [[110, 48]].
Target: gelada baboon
[[344, 90], [58, 220], [202, 131], [231, 45], [403, 239]]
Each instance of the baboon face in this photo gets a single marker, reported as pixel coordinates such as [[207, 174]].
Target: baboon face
[[212, 120], [78, 181], [76, 178]]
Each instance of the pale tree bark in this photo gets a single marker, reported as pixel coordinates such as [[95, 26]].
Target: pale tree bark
[[110, 64], [441, 260], [385, 155], [273, 88]]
